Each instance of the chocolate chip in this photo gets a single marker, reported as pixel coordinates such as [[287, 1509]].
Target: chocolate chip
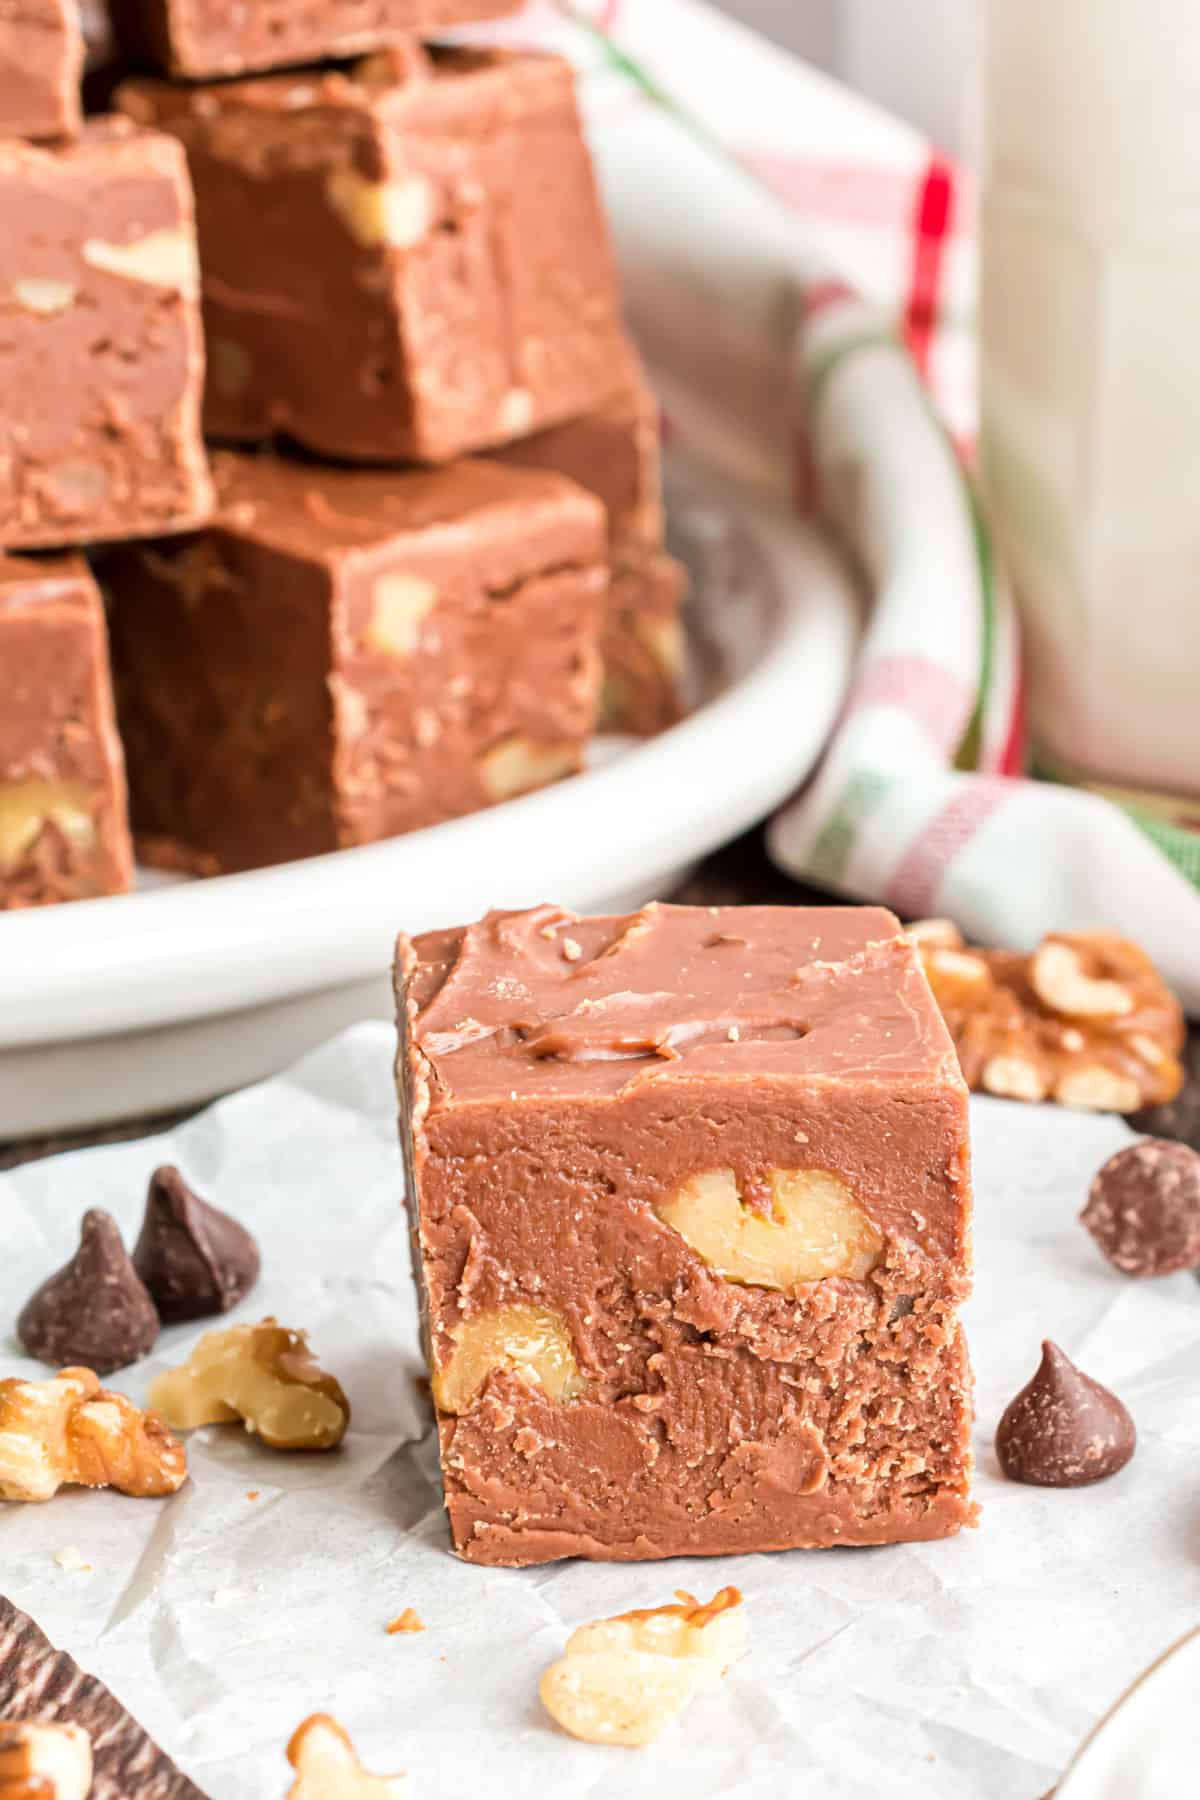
[[1064, 1429], [195, 1259], [94, 1311], [1144, 1208]]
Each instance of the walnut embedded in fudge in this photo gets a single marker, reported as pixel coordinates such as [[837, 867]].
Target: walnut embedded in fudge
[[41, 69], [402, 260], [197, 38], [64, 829], [690, 1194], [348, 654], [104, 365], [1086, 1019]]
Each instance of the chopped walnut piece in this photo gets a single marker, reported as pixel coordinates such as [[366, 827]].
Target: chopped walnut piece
[[44, 1762], [1085, 1020], [327, 1767], [531, 1342], [400, 605], [71, 1432], [813, 1231], [516, 765], [396, 213], [27, 807], [263, 1375], [624, 1680], [165, 258]]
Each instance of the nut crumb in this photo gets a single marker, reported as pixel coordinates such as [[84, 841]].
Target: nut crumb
[[72, 1559], [407, 1621], [572, 950], [624, 1680], [735, 1036]]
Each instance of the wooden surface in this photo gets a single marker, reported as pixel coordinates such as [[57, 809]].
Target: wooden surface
[[740, 874]]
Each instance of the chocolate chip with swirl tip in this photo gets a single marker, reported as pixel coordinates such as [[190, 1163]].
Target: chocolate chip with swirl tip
[[94, 1311], [1063, 1429], [195, 1260]]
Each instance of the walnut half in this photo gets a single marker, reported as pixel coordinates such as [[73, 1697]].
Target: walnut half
[[532, 1342], [263, 1375], [814, 1230], [624, 1680], [44, 1762], [71, 1432]]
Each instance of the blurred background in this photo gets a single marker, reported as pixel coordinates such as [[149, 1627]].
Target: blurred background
[[919, 59]]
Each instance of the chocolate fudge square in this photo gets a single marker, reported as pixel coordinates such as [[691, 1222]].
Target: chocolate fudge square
[[214, 37], [41, 68], [100, 341], [403, 261], [64, 831], [347, 654], [614, 451], [690, 1202]]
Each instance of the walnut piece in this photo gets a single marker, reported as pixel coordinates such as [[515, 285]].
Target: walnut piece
[[401, 604], [624, 1680], [165, 259], [1063, 981], [665, 640], [44, 1762], [327, 1767], [381, 214], [1086, 1019], [531, 1342], [27, 807], [814, 1230], [263, 1375], [516, 765], [71, 1432], [44, 297]]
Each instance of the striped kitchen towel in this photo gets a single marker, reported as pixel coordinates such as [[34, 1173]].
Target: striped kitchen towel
[[804, 264]]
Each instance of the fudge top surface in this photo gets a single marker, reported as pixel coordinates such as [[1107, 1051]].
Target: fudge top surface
[[27, 581], [544, 1004], [110, 143], [475, 90], [314, 512]]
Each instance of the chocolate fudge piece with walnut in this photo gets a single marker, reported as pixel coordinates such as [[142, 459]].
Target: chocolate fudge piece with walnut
[[614, 452], [403, 260], [41, 68], [100, 332], [211, 37], [347, 654], [690, 1201], [64, 831]]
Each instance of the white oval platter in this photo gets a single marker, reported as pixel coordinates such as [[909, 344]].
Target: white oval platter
[[122, 1008]]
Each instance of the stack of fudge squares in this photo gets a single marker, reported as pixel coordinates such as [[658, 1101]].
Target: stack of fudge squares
[[314, 342]]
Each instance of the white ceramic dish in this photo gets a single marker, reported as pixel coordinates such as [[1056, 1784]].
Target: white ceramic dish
[[120, 1008], [1148, 1746]]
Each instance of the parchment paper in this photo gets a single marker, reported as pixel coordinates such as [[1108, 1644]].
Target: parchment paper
[[966, 1670]]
